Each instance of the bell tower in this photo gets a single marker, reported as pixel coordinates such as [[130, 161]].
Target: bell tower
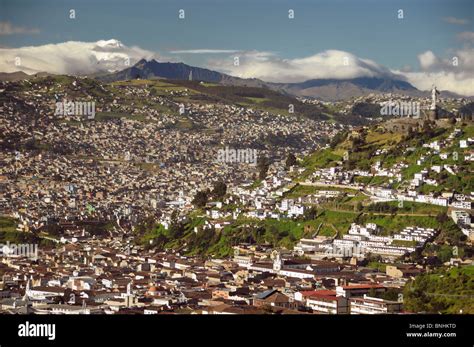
[[277, 262]]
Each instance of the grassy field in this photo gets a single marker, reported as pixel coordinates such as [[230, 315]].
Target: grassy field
[[418, 208], [382, 140], [335, 222], [319, 159], [300, 191], [8, 224], [257, 100]]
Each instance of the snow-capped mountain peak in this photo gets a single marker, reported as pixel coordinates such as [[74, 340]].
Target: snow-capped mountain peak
[[109, 44]]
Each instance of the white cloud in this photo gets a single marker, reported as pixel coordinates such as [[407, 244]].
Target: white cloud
[[461, 83], [268, 66], [204, 51], [427, 60], [72, 57], [7, 28], [75, 57], [455, 73], [454, 20]]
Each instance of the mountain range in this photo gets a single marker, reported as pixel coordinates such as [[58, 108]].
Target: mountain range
[[339, 89], [323, 89]]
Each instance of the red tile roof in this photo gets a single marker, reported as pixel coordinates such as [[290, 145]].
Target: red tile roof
[[318, 293], [362, 286]]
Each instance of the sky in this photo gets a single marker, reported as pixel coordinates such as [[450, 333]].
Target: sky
[[365, 34]]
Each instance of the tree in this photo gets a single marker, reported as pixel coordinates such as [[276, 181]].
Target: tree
[[391, 294], [427, 129], [350, 164], [290, 160], [174, 217], [445, 253], [310, 214], [338, 138], [442, 218], [219, 190], [263, 163], [200, 199], [442, 291]]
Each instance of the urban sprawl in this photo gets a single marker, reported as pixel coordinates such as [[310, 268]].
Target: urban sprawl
[[84, 188]]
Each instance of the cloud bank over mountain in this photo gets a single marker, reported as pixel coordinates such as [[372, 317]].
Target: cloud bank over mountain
[[328, 64], [75, 57], [72, 57], [456, 75]]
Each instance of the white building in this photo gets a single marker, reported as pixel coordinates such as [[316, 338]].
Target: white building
[[370, 305]]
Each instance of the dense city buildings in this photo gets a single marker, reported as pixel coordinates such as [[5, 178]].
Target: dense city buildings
[[98, 200], [302, 159]]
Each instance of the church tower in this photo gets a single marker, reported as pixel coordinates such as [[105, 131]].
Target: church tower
[[277, 262], [130, 298]]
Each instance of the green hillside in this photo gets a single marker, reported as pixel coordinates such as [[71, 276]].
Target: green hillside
[[446, 291], [364, 147]]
